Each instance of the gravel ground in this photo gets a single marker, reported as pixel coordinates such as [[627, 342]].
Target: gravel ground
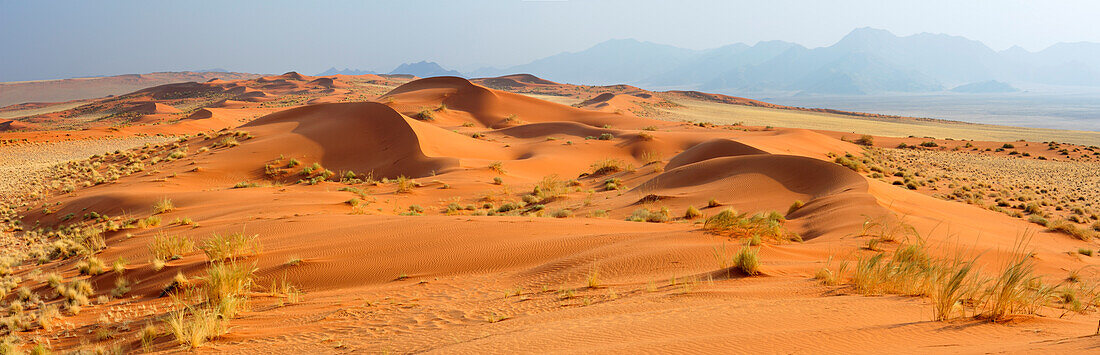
[[23, 167]]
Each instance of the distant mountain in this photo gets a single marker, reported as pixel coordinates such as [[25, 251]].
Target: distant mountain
[[865, 61], [345, 71], [610, 62], [424, 69], [985, 87]]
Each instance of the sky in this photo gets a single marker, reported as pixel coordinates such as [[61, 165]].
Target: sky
[[61, 39]]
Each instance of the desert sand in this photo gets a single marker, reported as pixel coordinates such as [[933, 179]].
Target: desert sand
[[381, 214]]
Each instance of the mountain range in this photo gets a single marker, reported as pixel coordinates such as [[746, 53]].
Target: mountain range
[[421, 69], [866, 61]]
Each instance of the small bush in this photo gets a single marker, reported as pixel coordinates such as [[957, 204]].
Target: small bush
[[748, 261], [692, 213], [608, 166], [170, 247], [245, 185], [230, 246], [795, 206], [194, 326], [605, 137], [1070, 229], [739, 225], [163, 206], [1084, 251], [227, 286], [865, 140], [613, 184], [148, 222], [497, 167], [713, 203], [404, 184], [562, 213], [91, 266], [646, 215]]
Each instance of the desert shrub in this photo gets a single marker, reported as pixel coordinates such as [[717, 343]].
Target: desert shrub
[[149, 333], [498, 181], [425, 115], [163, 205], [748, 261], [605, 137], [865, 140], [178, 154], [170, 247], [647, 215], [1070, 229], [608, 166], [692, 213], [230, 246], [91, 266], [122, 287], [795, 206], [404, 184], [227, 286], [507, 207], [713, 203], [497, 167], [1014, 291], [949, 288], [1084, 251], [194, 326], [850, 163], [613, 184], [148, 222], [740, 225], [1038, 220], [550, 188], [562, 213]]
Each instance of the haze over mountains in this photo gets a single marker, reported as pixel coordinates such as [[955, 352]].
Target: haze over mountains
[[423, 69], [866, 61]]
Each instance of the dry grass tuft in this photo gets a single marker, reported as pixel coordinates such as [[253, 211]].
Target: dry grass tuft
[[170, 247], [231, 246], [740, 225], [608, 166], [163, 206]]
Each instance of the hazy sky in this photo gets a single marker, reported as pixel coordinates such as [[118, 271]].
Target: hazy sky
[[57, 39]]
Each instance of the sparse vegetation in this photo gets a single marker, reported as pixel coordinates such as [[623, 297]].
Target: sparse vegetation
[[497, 167], [230, 246], [608, 166], [164, 205], [748, 261], [652, 216], [740, 225], [692, 213], [170, 247]]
